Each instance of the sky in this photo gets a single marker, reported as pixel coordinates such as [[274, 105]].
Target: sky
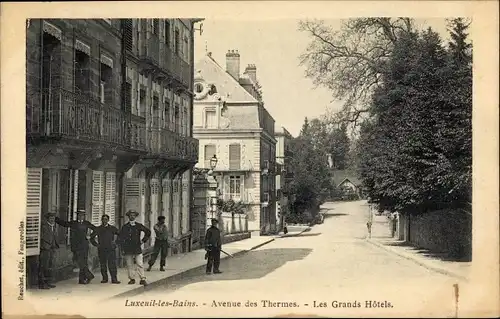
[[274, 46]]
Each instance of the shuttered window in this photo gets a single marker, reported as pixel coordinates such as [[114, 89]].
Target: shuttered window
[[234, 156], [155, 189], [110, 208], [127, 33], [209, 153], [134, 196], [33, 210], [97, 197], [210, 119]]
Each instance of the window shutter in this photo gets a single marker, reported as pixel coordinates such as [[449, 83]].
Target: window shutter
[[33, 210], [97, 196], [234, 156], [155, 188], [165, 200], [110, 208]]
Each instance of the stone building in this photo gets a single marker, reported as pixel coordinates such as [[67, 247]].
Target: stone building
[[231, 122], [108, 124], [283, 172]]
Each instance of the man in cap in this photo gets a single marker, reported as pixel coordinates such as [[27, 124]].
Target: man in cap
[[106, 248], [213, 246], [48, 246], [161, 244], [130, 241], [79, 244]]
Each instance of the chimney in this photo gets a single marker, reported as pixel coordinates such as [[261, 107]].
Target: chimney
[[233, 63], [251, 70]]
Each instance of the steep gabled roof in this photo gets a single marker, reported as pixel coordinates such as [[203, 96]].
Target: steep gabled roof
[[227, 86], [339, 176]]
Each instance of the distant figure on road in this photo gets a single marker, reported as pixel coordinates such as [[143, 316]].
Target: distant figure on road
[[79, 238], [48, 246], [161, 244], [106, 248], [213, 246], [130, 241]]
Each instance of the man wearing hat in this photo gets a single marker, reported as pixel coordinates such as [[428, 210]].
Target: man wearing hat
[[48, 246], [130, 241], [213, 246], [79, 244], [106, 249], [161, 244]]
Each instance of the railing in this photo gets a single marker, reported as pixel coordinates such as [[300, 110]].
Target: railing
[[57, 112], [179, 147], [137, 132]]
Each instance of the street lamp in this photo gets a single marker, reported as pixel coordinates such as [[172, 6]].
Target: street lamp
[[213, 162]]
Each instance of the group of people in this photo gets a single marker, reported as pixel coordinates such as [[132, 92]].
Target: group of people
[[106, 238]]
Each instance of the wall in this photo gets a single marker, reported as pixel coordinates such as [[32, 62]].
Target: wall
[[441, 231], [232, 223]]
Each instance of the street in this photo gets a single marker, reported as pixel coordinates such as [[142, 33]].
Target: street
[[332, 262]]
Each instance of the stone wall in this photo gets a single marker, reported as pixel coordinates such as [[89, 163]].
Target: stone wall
[[448, 231]]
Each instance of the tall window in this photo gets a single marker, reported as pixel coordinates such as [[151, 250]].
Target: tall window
[[106, 91], [167, 32], [156, 26], [82, 72], [177, 42], [186, 49], [234, 156], [128, 97], [210, 119], [167, 113], [51, 61], [177, 116], [235, 187], [142, 102], [156, 111], [209, 153]]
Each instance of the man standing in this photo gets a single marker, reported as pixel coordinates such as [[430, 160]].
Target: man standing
[[130, 240], [161, 244], [105, 234], [79, 244], [213, 246], [48, 246]]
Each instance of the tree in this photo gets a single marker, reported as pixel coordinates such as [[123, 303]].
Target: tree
[[311, 176], [416, 148], [351, 61]]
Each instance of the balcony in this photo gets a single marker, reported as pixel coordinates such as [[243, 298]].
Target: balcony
[[170, 145], [58, 113]]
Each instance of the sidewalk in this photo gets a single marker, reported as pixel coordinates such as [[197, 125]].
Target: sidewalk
[[177, 265], [381, 237]]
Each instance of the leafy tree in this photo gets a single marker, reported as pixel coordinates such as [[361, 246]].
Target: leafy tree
[[351, 61], [311, 176], [416, 150]]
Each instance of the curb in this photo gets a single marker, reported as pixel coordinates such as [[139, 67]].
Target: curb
[[162, 281], [415, 260], [294, 235]]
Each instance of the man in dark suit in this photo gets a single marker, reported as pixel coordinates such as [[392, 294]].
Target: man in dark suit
[[105, 234], [213, 246], [79, 244], [131, 243], [48, 246]]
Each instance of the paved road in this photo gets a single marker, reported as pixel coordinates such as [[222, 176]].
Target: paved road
[[331, 262]]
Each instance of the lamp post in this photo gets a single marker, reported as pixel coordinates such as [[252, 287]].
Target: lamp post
[[213, 200]]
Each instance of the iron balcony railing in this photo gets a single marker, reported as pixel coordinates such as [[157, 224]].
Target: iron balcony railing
[[168, 144], [58, 112]]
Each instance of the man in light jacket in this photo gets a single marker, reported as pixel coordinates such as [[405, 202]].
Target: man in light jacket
[[161, 244], [131, 243]]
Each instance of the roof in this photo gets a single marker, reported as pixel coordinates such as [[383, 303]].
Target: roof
[[339, 176], [227, 86]]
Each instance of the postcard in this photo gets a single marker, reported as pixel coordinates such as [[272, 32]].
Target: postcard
[[181, 159]]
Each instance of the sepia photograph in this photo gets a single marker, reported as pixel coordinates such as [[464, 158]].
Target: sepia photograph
[[201, 166]]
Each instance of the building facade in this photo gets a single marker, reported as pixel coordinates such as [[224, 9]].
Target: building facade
[[283, 173], [231, 122], [108, 109]]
